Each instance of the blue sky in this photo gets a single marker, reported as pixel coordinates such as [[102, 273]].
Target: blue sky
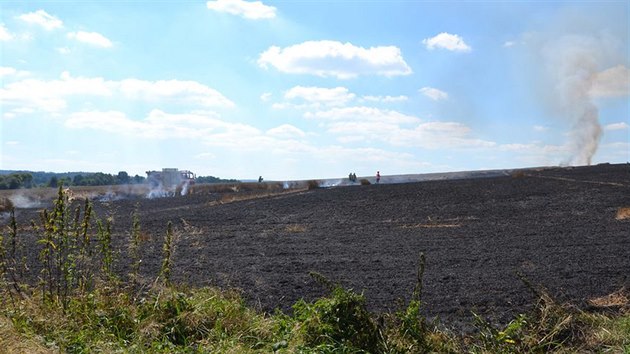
[[312, 89]]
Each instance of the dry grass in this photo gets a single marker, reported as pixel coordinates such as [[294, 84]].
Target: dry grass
[[618, 299], [623, 213], [518, 174], [11, 341], [191, 230], [5, 204]]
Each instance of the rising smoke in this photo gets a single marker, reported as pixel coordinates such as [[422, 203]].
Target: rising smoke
[[577, 60], [571, 68]]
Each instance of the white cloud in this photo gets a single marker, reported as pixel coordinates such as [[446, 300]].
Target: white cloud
[[52, 96], [253, 10], [363, 114], [157, 125], [386, 99], [286, 131], [63, 50], [92, 38], [336, 59], [5, 35], [612, 82], [617, 126], [13, 72], [206, 156], [447, 41], [175, 90], [265, 97], [509, 44], [371, 125], [434, 93], [43, 19], [337, 96], [540, 128]]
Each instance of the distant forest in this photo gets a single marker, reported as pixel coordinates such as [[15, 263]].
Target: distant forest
[[30, 179]]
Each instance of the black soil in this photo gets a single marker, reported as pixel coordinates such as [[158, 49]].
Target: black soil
[[557, 227]]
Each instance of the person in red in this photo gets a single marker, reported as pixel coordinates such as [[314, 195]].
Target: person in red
[[378, 176]]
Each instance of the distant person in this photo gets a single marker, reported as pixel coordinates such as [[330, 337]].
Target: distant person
[[378, 176], [260, 179]]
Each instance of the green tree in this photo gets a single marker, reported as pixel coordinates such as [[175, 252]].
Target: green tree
[[78, 180], [53, 182], [123, 177]]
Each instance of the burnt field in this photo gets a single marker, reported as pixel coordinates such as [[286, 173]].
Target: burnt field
[[558, 227]]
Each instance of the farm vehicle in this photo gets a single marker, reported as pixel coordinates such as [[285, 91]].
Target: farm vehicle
[[170, 181]]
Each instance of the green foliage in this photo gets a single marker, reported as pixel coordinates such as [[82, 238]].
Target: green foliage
[[338, 323], [212, 179], [167, 252], [134, 244], [16, 180]]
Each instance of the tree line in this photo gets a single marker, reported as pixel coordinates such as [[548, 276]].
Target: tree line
[[16, 180], [29, 179]]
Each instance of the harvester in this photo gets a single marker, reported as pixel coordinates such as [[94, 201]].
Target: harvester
[[171, 180]]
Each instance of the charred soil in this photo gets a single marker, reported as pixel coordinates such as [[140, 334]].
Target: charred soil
[[557, 227]]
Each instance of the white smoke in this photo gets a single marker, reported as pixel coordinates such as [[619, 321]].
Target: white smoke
[[22, 201], [185, 187], [571, 68]]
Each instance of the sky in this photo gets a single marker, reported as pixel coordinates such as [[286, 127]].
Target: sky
[[312, 89]]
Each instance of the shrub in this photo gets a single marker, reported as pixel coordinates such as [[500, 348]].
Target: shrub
[[338, 321], [365, 182], [5, 204], [312, 184]]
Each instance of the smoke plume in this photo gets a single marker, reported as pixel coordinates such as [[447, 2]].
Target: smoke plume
[[571, 68]]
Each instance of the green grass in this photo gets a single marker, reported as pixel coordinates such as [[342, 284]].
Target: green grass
[[81, 307]]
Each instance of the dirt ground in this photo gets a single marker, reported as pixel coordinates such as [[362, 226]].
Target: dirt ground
[[557, 226]]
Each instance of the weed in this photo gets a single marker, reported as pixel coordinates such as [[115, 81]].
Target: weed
[[167, 251], [134, 244]]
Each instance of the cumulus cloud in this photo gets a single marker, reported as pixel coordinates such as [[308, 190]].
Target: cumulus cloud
[[13, 72], [447, 41], [368, 124], [157, 125], [286, 131], [434, 93], [617, 126], [265, 97], [92, 38], [362, 114], [337, 96], [176, 90], [43, 19], [612, 82], [5, 35], [253, 10], [52, 95], [540, 128], [335, 59], [386, 99]]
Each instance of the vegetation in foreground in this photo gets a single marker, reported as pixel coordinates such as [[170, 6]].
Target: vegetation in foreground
[[81, 306]]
